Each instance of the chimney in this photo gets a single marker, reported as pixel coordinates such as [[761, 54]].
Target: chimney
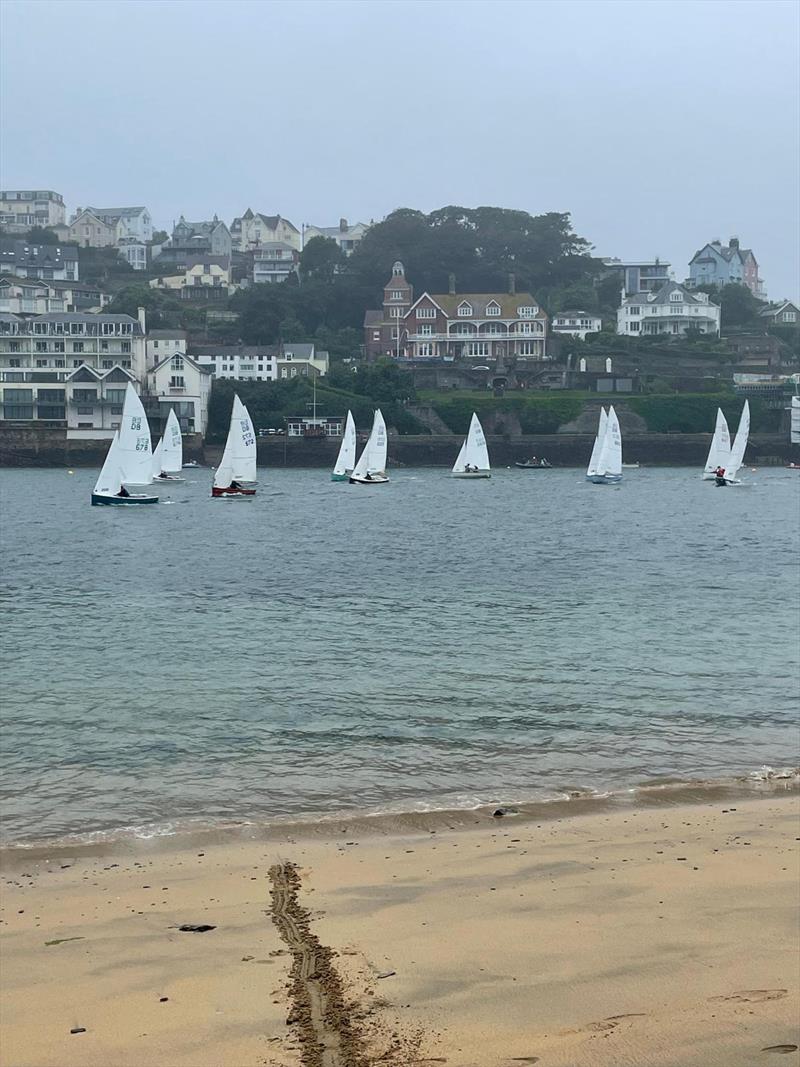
[[512, 284], [451, 278], [140, 314], [734, 242], [342, 225]]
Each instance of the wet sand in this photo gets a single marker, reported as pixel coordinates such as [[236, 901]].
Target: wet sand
[[659, 935]]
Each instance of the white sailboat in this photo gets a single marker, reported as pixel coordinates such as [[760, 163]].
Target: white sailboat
[[238, 463], [607, 466], [720, 450], [591, 470], [108, 489], [794, 429], [738, 447], [134, 447], [371, 466], [168, 455], [473, 459], [346, 460]]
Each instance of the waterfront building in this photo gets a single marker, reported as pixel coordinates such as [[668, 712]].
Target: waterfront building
[[252, 229], [576, 323], [347, 236], [49, 262], [455, 325], [69, 369], [32, 296], [209, 237], [163, 343], [639, 276], [180, 382], [204, 278], [314, 425], [718, 264], [784, 313], [90, 231], [672, 310], [263, 363], [22, 209], [274, 262]]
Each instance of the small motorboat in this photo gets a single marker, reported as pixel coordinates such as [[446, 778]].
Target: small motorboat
[[191, 463], [630, 466], [534, 465]]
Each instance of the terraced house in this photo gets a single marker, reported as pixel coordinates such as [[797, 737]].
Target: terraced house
[[453, 325], [69, 369]]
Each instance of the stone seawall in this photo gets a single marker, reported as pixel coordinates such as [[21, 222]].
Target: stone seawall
[[50, 448]]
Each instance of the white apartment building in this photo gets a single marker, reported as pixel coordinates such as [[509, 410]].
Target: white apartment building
[[576, 323], [69, 369], [22, 209], [264, 363], [274, 262], [179, 382], [162, 343], [671, 310], [31, 296]]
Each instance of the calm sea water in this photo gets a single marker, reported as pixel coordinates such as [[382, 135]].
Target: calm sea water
[[432, 642]]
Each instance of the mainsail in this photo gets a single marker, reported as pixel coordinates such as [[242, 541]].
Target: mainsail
[[598, 443], [133, 445], [794, 434], [346, 459], [739, 445], [172, 446], [238, 461], [720, 450], [609, 462], [373, 458], [474, 453], [158, 454]]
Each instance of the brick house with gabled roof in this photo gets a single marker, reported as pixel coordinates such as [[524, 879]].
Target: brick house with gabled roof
[[455, 325]]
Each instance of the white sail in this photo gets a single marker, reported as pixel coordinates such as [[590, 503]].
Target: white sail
[[134, 446], [346, 459], [157, 457], [720, 450], [373, 459], [739, 445], [460, 463], [609, 462], [794, 435], [598, 443], [474, 453], [172, 446], [238, 461], [110, 480]]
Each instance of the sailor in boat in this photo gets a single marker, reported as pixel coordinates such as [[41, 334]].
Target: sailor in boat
[[234, 485], [367, 477], [719, 475], [123, 491], [162, 475]]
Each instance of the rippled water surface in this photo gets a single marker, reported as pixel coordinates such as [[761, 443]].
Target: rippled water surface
[[429, 642]]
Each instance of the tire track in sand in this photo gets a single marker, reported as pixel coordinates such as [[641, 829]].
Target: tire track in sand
[[324, 1021]]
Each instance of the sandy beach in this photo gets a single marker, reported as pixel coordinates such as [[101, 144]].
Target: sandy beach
[[647, 935]]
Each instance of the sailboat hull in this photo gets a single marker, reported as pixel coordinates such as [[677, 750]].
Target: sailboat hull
[[168, 478], [374, 479], [112, 501], [340, 477], [604, 479], [215, 491], [470, 474]]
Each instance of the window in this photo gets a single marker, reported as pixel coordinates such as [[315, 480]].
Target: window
[[422, 312], [492, 309], [155, 344], [426, 330], [104, 346], [116, 410], [498, 327], [527, 312], [90, 426], [478, 348], [396, 294], [14, 346], [177, 381], [40, 327], [376, 335], [18, 411], [676, 297], [15, 363], [108, 364], [58, 346], [426, 349], [42, 362], [634, 326], [76, 327], [86, 411], [790, 316], [527, 327], [115, 396], [525, 348], [177, 362], [634, 311], [465, 310], [397, 313], [77, 362], [51, 411], [59, 363], [41, 346], [125, 346], [77, 346]]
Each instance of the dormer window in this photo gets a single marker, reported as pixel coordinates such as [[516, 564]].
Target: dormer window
[[676, 297], [527, 312], [493, 308], [396, 294], [425, 312], [465, 309]]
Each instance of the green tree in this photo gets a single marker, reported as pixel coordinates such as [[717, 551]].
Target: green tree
[[159, 237], [321, 258], [739, 306], [42, 235]]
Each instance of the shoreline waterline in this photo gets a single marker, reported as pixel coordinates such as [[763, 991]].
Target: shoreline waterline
[[766, 784]]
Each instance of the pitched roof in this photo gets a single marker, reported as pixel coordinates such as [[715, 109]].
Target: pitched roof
[[12, 251], [661, 296], [163, 335], [509, 302], [578, 314], [373, 318], [117, 212], [191, 359]]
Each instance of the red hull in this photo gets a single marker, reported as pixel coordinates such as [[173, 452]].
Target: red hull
[[232, 492]]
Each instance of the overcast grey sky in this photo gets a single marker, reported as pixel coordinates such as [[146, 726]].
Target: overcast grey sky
[[659, 124]]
